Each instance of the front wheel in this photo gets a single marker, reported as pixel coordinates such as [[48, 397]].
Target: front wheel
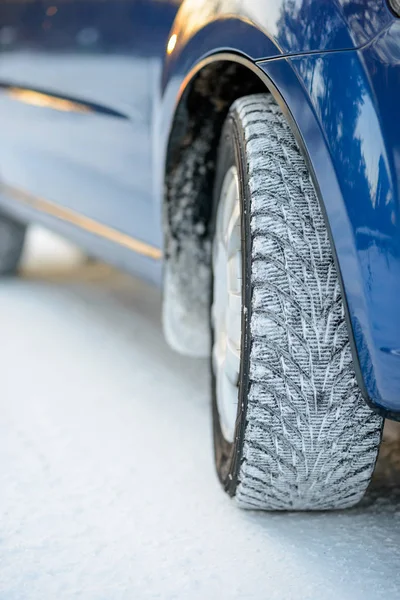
[[291, 429]]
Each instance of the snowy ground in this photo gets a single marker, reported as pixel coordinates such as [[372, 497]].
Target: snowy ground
[[107, 489]]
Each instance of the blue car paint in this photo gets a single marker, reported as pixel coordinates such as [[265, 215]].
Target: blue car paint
[[261, 29], [363, 90], [328, 60], [91, 163], [351, 98]]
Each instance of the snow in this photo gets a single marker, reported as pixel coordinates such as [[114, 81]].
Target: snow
[[187, 268], [107, 486]]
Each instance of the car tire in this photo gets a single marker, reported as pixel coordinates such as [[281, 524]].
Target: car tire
[[12, 237], [291, 429]]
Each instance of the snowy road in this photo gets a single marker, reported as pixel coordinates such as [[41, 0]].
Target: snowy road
[[107, 490]]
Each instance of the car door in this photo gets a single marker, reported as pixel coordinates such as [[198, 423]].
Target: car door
[[77, 81]]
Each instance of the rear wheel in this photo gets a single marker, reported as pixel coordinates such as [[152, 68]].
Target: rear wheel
[[12, 236], [291, 429]]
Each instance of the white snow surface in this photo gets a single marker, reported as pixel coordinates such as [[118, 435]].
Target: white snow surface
[[107, 486]]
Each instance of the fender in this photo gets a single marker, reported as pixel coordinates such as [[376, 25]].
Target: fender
[[256, 30], [278, 27], [346, 111], [354, 168]]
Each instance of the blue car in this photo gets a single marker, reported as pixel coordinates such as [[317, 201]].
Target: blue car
[[244, 155]]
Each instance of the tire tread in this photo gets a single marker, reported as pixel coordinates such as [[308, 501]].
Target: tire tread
[[310, 440]]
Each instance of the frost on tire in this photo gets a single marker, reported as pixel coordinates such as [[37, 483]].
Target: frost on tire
[[305, 437]]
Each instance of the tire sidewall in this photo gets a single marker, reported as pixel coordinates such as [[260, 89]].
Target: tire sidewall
[[232, 153]]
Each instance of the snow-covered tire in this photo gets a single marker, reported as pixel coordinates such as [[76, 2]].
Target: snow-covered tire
[[304, 438], [12, 237]]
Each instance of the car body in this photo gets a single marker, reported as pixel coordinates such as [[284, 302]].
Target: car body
[[97, 98]]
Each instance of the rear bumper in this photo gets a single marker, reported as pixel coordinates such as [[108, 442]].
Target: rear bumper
[[346, 106]]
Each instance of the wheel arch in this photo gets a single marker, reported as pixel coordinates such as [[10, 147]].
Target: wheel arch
[[205, 97], [204, 100], [296, 85], [213, 84]]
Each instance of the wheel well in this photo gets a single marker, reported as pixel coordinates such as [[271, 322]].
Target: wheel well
[[189, 177]]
